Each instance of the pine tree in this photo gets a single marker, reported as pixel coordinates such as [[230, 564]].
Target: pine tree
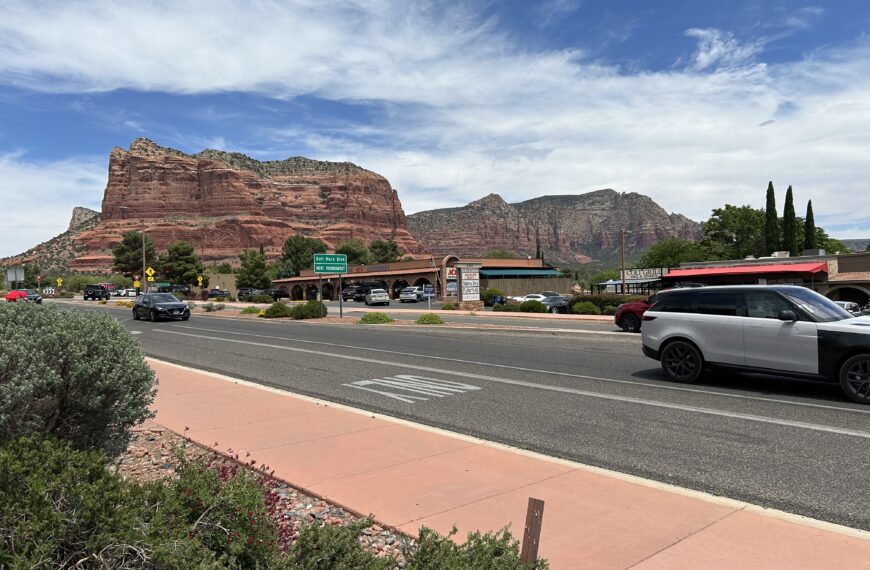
[[789, 229], [771, 223], [810, 228]]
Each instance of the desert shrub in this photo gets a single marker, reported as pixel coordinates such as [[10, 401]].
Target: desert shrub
[[54, 499], [228, 299], [602, 301], [487, 295], [321, 546], [449, 307], [609, 310], [429, 319], [103, 301], [497, 551], [533, 307], [76, 375], [507, 308], [66, 295], [208, 307], [309, 310], [190, 304], [178, 295], [219, 307], [250, 311], [585, 308], [278, 310], [262, 299], [376, 319]]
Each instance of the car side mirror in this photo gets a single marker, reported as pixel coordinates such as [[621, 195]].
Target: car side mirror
[[788, 315]]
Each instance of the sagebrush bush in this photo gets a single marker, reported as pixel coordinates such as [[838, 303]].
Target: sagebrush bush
[[507, 308], [376, 319], [278, 310], [487, 294], [609, 310], [257, 299], [449, 307], [603, 300], [321, 546], [250, 311], [533, 307], [490, 551], [585, 308], [76, 375], [429, 319], [310, 310]]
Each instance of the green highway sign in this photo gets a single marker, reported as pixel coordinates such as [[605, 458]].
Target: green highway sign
[[330, 263]]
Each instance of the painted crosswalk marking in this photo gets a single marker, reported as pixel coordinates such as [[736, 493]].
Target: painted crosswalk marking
[[409, 385]]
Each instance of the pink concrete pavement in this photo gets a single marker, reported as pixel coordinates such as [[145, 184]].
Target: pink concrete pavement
[[409, 476]]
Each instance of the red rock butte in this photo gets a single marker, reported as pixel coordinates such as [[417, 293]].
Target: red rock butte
[[223, 203]]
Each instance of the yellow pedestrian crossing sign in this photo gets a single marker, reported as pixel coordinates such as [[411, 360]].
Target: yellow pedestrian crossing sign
[[136, 284], [59, 282], [150, 273], [199, 280]]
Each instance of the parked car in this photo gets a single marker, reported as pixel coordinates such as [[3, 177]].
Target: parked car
[[557, 304], [411, 294], [95, 293], [248, 292], [157, 306], [128, 292], [218, 293], [533, 297], [853, 308], [777, 329], [377, 297], [629, 316], [348, 292], [172, 288], [361, 292], [276, 294]]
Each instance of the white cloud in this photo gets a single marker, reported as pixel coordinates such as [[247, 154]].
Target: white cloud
[[38, 197], [465, 112]]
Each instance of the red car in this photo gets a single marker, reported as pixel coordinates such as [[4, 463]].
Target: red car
[[16, 294], [629, 315]]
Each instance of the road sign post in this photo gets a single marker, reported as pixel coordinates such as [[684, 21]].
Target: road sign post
[[330, 263]]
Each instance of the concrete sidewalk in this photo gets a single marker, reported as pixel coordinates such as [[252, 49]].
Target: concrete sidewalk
[[409, 475]]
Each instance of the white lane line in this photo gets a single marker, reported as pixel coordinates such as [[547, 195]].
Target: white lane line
[[574, 391], [548, 372]]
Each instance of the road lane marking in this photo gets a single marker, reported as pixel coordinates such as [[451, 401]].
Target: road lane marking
[[416, 384], [549, 372], [560, 389]]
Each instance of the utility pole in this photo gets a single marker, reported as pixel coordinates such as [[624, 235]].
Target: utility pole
[[143, 276], [622, 248]]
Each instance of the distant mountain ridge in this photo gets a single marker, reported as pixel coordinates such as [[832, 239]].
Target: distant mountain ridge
[[575, 228]]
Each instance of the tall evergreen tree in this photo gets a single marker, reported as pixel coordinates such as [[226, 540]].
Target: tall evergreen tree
[[181, 265], [771, 222], [810, 228], [128, 254], [789, 229]]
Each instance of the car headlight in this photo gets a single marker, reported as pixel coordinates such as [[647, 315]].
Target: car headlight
[[161, 309]]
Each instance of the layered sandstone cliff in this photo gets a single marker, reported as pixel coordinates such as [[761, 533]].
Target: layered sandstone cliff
[[569, 228], [223, 203]]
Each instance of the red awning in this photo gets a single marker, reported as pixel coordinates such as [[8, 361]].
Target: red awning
[[751, 270]]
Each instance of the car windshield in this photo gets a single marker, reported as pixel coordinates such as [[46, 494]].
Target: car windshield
[[820, 308], [164, 298], [409, 290], [378, 292], [30, 292]]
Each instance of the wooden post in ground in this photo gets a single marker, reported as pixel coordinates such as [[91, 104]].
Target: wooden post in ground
[[532, 532]]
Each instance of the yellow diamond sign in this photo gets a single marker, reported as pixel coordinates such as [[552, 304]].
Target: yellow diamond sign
[[150, 272], [59, 282], [135, 284]]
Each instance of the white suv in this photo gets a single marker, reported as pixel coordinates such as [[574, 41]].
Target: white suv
[[786, 330], [412, 294]]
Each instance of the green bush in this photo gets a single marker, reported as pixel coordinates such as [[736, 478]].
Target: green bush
[[487, 295], [76, 375], [601, 301], [250, 311], [58, 504], [278, 310], [178, 295], [310, 310], [375, 319], [533, 307], [257, 299], [208, 307], [229, 299], [449, 307], [321, 546], [507, 308], [585, 308], [66, 295], [609, 310], [429, 319], [496, 551]]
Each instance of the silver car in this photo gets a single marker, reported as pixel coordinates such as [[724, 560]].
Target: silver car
[[377, 297], [412, 294]]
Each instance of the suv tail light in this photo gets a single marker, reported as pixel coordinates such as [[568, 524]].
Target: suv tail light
[[649, 318]]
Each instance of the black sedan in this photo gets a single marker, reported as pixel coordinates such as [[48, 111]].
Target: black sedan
[[158, 306], [557, 304]]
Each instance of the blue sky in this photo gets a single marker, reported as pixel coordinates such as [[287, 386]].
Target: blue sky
[[692, 103]]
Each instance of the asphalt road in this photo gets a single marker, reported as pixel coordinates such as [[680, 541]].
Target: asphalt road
[[589, 396]]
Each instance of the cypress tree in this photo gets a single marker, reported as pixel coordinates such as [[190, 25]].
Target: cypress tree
[[771, 222], [810, 228], [789, 228]]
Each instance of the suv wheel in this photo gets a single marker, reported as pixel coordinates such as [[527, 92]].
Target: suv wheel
[[855, 378], [682, 362], [630, 323], [151, 316]]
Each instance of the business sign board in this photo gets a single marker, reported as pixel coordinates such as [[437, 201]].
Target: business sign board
[[330, 263], [428, 291], [645, 273], [469, 282], [14, 274], [451, 274]]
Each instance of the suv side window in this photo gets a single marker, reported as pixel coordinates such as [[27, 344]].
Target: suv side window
[[675, 302], [765, 304], [724, 303]]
